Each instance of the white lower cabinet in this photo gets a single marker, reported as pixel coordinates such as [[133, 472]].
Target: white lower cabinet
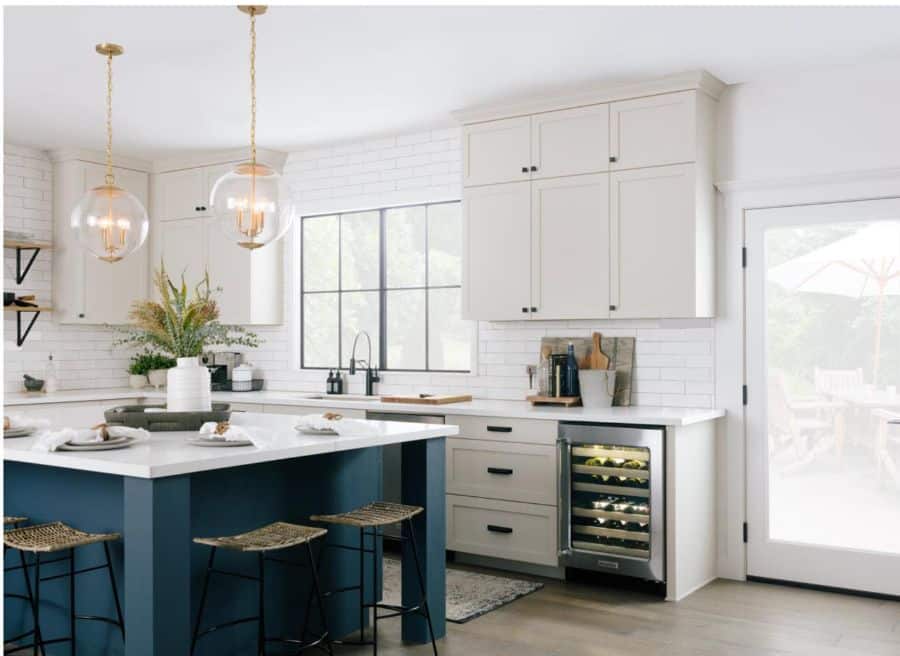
[[312, 410], [502, 490], [502, 529]]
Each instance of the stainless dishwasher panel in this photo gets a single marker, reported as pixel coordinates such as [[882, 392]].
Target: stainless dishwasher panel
[[392, 458]]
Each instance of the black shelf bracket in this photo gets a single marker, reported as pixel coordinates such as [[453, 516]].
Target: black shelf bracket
[[21, 273], [20, 336]]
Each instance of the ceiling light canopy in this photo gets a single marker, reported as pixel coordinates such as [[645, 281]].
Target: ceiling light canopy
[[249, 202], [109, 220]]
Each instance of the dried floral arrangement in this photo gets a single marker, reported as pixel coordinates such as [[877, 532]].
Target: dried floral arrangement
[[182, 324]]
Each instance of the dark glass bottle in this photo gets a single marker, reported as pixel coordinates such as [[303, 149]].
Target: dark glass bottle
[[572, 388], [329, 382], [338, 382]]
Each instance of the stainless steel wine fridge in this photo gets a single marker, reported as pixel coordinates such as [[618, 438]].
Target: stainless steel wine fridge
[[612, 506]]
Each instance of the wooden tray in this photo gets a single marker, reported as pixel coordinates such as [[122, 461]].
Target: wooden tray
[[437, 399], [566, 401], [136, 416]]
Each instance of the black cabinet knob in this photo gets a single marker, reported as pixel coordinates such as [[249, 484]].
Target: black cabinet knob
[[81, 315], [524, 169], [203, 208], [612, 159], [534, 168], [612, 307], [533, 309], [525, 310], [196, 208]]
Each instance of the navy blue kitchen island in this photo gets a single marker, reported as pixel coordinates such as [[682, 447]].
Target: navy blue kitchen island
[[162, 493]]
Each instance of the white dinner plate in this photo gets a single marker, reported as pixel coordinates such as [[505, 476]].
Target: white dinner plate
[[205, 441], [315, 431], [108, 445], [22, 431]]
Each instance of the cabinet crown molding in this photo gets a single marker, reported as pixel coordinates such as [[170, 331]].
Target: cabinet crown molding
[[273, 158], [97, 157], [592, 95]]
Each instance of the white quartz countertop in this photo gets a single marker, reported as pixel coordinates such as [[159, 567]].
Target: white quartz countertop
[[647, 415], [169, 453]]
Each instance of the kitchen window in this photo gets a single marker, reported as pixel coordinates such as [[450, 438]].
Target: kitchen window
[[393, 272]]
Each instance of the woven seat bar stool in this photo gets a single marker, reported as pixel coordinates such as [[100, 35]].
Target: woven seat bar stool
[[369, 519], [53, 538], [14, 522], [272, 537]]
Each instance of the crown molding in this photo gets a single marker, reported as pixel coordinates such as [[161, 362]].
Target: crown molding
[[593, 95], [97, 157], [838, 177], [273, 158]]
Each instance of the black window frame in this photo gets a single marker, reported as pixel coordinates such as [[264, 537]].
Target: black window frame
[[382, 290]]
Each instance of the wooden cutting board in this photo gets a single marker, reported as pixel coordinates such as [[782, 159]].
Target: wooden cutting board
[[436, 399]]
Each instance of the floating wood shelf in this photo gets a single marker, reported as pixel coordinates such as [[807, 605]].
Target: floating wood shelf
[[19, 311], [20, 246]]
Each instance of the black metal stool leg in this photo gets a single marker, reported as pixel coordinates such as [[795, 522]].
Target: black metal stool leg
[[362, 580], [313, 566], [115, 590], [261, 632], [212, 556], [38, 641], [415, 550], [375, 591], [72, 599]]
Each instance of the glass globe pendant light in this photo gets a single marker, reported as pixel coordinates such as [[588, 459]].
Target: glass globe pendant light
[[248, 201], [110, 221]]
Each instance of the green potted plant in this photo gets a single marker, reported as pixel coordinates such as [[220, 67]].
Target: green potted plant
[[183, 324], [149, 364]]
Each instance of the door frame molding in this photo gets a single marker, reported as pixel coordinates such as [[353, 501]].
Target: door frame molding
[[734, 200]]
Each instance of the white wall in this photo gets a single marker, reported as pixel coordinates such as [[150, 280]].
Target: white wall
[[83, 354], [802, 138]]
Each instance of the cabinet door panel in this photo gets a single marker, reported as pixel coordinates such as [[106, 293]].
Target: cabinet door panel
[[110, 289], [497, 268], [497, 151], [653, 131], [653, 235], [570, 142], [571, 247], [183, 250], [181, 193]]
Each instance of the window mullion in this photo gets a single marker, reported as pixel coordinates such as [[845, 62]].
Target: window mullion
[[382, 293]]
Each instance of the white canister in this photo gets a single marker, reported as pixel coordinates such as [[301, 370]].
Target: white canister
[[598, 387], [242, 378], [188, 387]]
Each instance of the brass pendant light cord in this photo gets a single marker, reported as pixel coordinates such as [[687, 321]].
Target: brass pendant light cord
[[110, 178], [253, 88]]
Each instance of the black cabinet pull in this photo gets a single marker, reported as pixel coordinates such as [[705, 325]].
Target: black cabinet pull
[[534, 168], [612, 159], [500, 470], [533, 309], [493, 528], [612, 307], [203, 208], [525, 310], [499, 429], [524, 169]]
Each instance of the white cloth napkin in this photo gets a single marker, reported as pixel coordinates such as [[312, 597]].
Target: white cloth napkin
[[344, 427], [17, 420], [52, 440], [258, 436]]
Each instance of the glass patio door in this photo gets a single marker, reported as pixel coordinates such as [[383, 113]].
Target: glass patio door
[[823, 367]]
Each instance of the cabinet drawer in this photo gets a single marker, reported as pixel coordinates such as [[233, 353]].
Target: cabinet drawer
[[312, 410], [502, 470], [503, 429], [502, 529]]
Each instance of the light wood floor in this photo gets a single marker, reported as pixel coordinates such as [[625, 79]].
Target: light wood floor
[[726, 618]]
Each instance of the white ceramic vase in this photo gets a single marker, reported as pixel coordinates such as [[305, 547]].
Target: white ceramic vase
[[188, 387], [137, 381]]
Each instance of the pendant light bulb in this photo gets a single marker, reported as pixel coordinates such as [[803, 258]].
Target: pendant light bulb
[[110, 221], [249, 202]]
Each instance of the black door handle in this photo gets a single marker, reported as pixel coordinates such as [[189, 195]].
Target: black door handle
[[499, 529], [500, 470], [499, 429]]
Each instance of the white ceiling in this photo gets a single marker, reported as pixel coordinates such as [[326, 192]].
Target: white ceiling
[[328, 74]]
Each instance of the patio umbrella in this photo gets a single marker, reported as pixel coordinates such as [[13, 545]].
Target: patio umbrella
[[864, 264]]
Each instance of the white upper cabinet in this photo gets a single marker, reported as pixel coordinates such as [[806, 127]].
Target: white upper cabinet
[[497, 151], [250, 283], [497, 246], [620, 210], [662, 253], [570, 277], [653, 131], [570, 142], [87, 290]]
